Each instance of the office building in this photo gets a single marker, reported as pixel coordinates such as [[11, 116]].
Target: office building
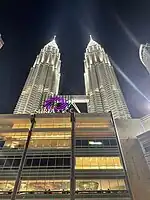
[[129, 131], [145, 122], [144, 140], [101, 83], [99, 169], [144, 53], [43, 80]]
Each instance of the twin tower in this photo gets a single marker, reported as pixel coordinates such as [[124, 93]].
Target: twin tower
[[101, 85]]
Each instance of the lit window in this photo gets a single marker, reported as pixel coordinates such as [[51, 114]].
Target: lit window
[[102, 184], [98, 163], [59, 185]]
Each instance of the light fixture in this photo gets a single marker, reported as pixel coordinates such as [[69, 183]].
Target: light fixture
[[95, 143]]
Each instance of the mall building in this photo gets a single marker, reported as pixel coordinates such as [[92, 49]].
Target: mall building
[[100, 172]]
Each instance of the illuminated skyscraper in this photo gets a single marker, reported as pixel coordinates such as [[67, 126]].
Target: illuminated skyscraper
[[144, 53], [43, 80], [101, 83]]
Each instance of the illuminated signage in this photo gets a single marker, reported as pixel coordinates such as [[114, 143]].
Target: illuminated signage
[[56, 104], [95, 143]]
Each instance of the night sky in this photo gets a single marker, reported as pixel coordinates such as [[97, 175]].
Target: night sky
[[119, 26]]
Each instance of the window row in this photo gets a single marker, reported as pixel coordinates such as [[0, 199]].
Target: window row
[[92, 125], [98, 163], [81, 163], [51, 162], [66, 124], [37, 143], [59, 185], [51, 124], [97, 143], [58, 143], [36, 135]]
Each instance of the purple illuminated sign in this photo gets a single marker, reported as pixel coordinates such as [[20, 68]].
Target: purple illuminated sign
[[56, 104]]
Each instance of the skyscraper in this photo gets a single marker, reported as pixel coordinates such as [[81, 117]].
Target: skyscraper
[[101, 83], [144, 53], [43, 80]]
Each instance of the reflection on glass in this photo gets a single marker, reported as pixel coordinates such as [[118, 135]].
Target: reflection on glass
[[59, 185], [103, 184], [87, 185]]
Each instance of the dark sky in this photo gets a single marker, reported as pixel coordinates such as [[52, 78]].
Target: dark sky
[[26, 26]]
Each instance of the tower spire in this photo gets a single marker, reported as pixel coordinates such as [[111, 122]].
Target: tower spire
[[54, 37], [91, 37]]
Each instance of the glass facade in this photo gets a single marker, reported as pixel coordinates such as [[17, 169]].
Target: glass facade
[[144, 140], [60, 185], [98, 165]]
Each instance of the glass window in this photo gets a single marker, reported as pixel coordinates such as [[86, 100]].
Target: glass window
[[2, 161], [85, 162], [147, 149], [14, 143], [113, 142], [114, 184], [6, 185], [50, 143], [82, 185], [84, 142], [98, 163], [79, 164], [10, 185], [59, 185], [35, 162], [59, 161], [94, 162], [92, 124], [2, 143], [51, 162], [106, 142], [42, 185], [8, 162], [43, 162], [122, 185], [105, 184], [28, 162], [66, 161], [16, 162], [78, 142], [109, 162]]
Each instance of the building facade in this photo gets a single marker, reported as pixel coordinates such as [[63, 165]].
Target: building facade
[[129, 130], [99, 169], [43, 80], [144, 53], [101, 83], [144, 140], [145, 122]]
